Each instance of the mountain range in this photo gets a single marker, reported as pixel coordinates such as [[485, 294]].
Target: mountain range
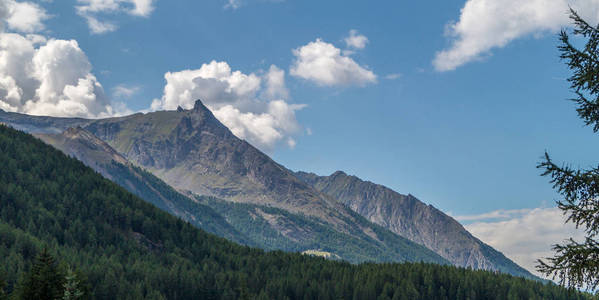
[[254, 200], [66, 230]]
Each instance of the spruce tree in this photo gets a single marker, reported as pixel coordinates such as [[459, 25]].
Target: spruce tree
[[576, 263], [44, 281], [71, 286]]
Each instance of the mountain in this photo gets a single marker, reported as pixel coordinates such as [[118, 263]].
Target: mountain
[[194, 153], [122, 247], [95, 153], [410, 218]]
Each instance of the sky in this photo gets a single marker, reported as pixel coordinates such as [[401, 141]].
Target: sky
[[455, 105]]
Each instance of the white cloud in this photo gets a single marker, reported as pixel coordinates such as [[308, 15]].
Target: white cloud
[[22, 16], [523, 235], [393, 76], [488, 24], [49, 78], [234, 98], [90, 9], [275, 83], [356, 40], [233, 4], [325, 65], [125, 91], [500, 214], [98, 27], [142, 8]]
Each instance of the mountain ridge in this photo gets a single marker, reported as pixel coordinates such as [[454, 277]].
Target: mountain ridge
[[413, 219]]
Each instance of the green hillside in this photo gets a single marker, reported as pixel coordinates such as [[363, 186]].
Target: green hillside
[[125, 248], [263, 225]]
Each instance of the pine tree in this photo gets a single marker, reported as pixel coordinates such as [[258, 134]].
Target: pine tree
[[44, 280], [576, 263], [71, 286]]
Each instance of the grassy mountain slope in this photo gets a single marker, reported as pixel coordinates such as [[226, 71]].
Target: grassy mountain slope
[[410, 218], [125, 248], [276, 229]]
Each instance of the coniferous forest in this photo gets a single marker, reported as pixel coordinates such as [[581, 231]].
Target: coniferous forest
[[66, 232]]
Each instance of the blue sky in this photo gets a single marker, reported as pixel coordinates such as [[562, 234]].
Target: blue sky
[[455, 105]]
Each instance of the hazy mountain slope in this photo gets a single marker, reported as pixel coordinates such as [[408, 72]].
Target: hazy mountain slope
[[410, 218], [192, 150], [98, 155], [277, 229], [40, 124]]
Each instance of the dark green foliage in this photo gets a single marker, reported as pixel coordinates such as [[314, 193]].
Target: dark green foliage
[[44, 281], [3, 295], [150, 188], [71, 287], [577, 262], [125, 248]]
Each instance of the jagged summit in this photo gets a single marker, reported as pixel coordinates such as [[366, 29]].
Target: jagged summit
[[198, 105], [338, 173]]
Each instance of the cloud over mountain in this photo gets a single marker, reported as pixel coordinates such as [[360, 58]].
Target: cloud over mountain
[[523, 235], [252, 106], [42, 76]]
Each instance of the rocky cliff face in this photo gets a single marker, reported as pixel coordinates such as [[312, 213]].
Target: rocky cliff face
[[410, 218]]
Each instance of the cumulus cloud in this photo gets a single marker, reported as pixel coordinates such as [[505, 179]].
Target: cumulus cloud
[[22, 16], [488, 24], [524, 235], [252, 110], [356, 40], [325, 65], [91, 9], [51, 78], [275, 83]]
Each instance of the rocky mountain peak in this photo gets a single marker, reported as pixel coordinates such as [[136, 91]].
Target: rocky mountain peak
[[339, 174], [199, 106]]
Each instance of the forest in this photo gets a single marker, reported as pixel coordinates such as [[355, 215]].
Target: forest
[[67, 232]]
